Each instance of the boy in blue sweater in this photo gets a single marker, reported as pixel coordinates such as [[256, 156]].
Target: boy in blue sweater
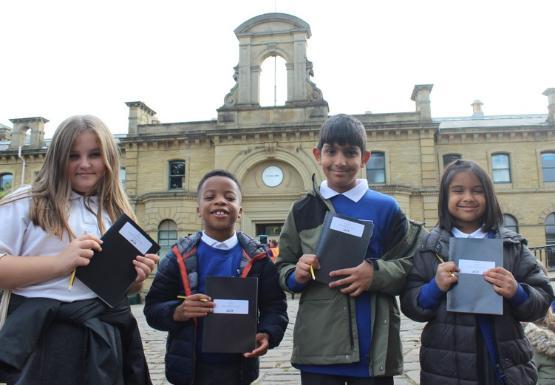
[[347, 331], [216, 251]]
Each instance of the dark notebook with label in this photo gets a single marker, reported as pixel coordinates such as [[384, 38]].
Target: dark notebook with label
[[111, 271], [472, 293], [231, 328], [343, 244]]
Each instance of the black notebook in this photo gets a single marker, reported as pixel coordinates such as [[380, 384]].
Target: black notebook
[[472, 293], [343, 244], [111, 271], [231, 328]]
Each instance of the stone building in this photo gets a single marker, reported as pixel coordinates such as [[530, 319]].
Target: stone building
[[269, 149]]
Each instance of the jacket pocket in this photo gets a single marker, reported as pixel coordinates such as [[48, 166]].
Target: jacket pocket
[[322, 333]]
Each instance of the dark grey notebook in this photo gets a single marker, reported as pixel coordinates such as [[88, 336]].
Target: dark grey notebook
[[472, 293], [231, 328], [343, 244], [111, 271]]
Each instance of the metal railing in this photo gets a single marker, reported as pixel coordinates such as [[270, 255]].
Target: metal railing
[[546, 255]]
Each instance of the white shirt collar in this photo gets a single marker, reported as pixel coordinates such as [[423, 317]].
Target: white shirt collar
[[476, 234], [222, 245], [353, 194]]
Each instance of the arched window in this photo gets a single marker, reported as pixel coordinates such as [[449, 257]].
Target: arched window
[[167, 235], [176, 174], [448, 158], [375, 168], [6, 182], [273, 82], [501, 168], [548, 166], [510, 222]]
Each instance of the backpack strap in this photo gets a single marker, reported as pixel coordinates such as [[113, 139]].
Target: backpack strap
[[182, 269]]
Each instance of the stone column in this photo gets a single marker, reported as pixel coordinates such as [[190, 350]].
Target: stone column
[[244, 79], [421, 96], [550, 93], [299, 70], [139, 113]]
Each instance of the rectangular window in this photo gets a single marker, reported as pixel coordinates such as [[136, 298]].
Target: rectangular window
[[548, 166], [272, 229], [501, 168], [448, 158], [177, 174], [6, 181], [375, 168]]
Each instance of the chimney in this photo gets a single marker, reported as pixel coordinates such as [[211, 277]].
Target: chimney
[[4, 132], [421, 96], [21, 128], [139, 113], [477, 109], [550, 93]]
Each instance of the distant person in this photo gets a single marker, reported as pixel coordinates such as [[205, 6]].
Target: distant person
[[347, 332], [218, 250], [464, 348], [274, 248], [541, 335], [54, 333]]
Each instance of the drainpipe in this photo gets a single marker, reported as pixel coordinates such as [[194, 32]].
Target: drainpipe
[[22, 164]]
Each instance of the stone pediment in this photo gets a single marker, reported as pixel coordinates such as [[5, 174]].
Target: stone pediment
[[272, 23]]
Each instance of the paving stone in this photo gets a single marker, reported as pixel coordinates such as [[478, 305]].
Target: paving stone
[[275, 367]]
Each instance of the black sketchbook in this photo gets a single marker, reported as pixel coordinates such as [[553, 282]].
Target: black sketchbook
[[472, 293], [111, 271], [343, 244], [231, 328]]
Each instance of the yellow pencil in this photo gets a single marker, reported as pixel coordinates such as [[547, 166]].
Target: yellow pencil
[[72, 278], [441, 261], [312, 273], [183, 297]]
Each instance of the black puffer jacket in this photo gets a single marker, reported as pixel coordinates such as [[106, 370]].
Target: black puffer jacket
[[449, 353], [161, 302]]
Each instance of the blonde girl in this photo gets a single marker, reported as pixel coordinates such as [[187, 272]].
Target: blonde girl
[[49, 229]]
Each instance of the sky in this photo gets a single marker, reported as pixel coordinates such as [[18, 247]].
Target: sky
[[65, 57]]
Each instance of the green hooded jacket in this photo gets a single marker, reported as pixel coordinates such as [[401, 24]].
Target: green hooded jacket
[[325, 331]]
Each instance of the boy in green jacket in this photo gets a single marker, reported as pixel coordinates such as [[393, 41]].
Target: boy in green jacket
[[347, 331]]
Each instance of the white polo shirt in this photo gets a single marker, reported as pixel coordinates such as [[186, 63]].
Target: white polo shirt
[[19, 236]]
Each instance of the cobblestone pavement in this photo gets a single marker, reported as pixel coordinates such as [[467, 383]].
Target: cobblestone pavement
[[275, 368]]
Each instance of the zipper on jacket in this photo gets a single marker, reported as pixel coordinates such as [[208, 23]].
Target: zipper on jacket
[[350, 324]]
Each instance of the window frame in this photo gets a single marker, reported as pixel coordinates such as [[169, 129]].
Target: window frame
[[170, 175], [552, 153], [443, 156], [508, 168], [370, 170], [513, 218], [2, 183], [165, 246]]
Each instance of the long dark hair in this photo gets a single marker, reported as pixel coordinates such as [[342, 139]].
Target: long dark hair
[[493, 217]]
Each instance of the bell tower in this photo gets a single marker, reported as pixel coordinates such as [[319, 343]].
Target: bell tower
[[273, 34]]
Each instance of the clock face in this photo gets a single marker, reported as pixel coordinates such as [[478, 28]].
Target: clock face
[[272, 176]]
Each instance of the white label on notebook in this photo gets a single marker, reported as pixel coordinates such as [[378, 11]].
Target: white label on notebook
[[231, 306], [134, 236], [347, 227], [467, 266]]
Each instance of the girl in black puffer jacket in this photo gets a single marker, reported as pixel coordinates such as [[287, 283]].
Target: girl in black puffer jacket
[[466, 348]]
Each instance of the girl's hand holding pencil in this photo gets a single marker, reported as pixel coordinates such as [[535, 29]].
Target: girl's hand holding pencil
[[445, 275], [78, 253]]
